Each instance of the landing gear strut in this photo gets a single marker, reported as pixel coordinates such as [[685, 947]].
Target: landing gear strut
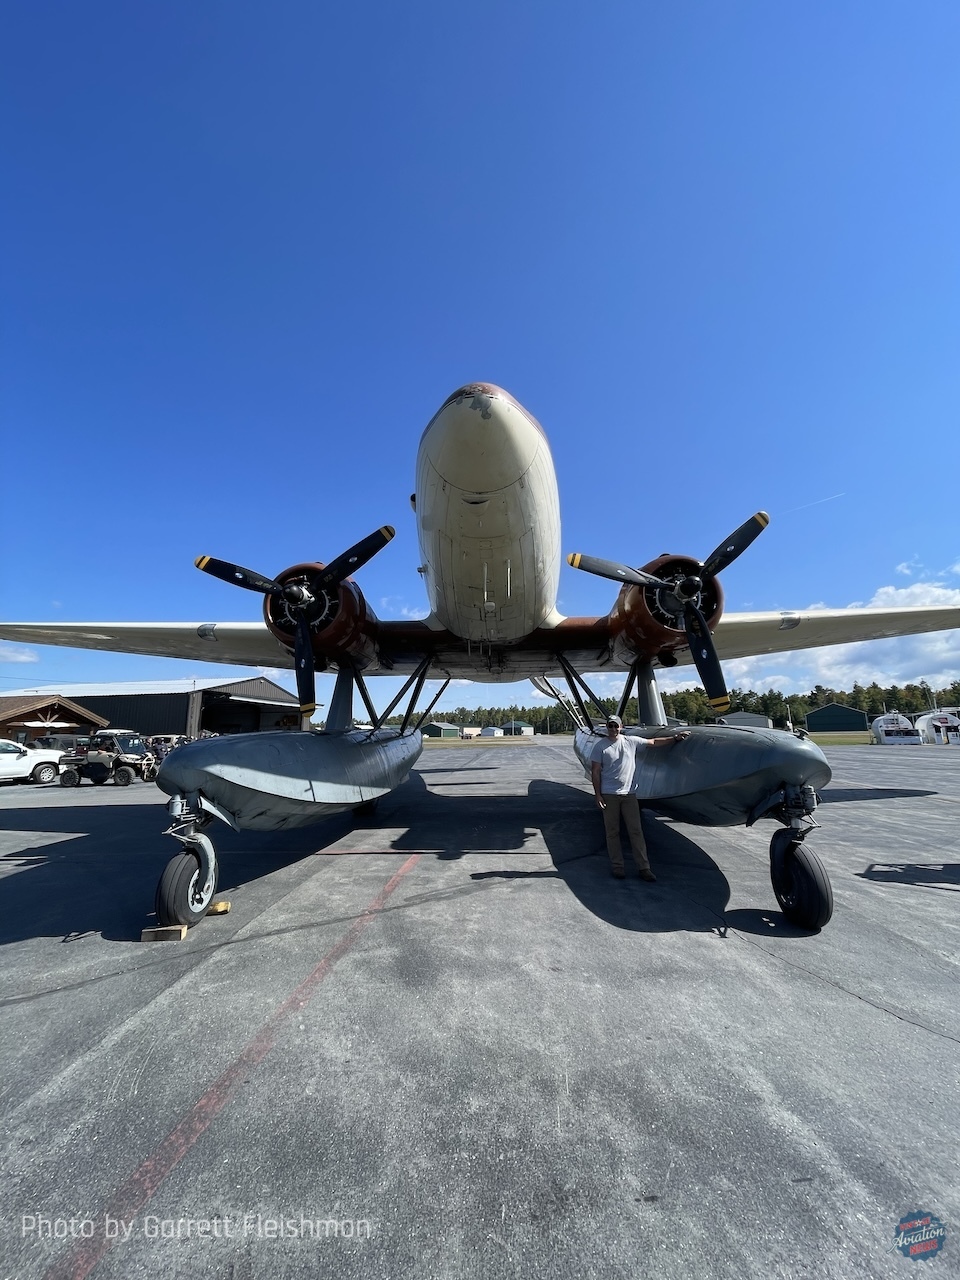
[[189, 880], [800, 880]]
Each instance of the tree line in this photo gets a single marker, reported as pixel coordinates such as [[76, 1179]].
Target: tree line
[[692, 706]]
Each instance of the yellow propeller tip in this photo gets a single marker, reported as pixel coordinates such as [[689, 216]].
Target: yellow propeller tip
[[574, 559], [201, 561]]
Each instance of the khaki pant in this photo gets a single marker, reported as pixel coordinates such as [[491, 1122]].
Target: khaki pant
[[629, 808]]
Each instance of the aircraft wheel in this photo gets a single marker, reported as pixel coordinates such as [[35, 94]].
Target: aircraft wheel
[[800, 882], [69, 778], [180, 896], [367, 809], [123, 776]]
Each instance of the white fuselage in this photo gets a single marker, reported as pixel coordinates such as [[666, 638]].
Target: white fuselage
[[488, 515]]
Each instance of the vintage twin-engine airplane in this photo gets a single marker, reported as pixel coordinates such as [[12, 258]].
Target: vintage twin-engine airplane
[[488, 517]]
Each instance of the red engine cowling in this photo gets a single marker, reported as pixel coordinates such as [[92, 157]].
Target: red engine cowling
[[645, 620], [344, 627]]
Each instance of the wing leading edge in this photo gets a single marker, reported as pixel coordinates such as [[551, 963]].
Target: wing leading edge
[[401, 644], [750, 635]]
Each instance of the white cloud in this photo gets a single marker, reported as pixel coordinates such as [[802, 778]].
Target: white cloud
[[17, 653], [395, 607], [930, 594]]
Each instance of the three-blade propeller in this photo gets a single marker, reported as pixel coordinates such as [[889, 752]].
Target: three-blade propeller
[[306, 602], [682, 595]]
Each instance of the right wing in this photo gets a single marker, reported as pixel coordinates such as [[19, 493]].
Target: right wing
[[748, 635]]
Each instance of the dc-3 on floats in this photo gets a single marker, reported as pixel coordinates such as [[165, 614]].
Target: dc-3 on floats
[[488, 518]]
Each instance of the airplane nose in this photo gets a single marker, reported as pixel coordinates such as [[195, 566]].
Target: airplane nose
[[186, 769], [481, 439]]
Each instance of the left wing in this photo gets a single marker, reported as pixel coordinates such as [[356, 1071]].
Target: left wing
[[242, 644]]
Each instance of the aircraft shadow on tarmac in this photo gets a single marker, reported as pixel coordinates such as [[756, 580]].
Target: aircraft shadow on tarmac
[[102, 875], [842, 795], [934, 875], [690, 894]]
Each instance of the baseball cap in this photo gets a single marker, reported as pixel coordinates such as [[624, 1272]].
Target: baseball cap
[[615, 720]]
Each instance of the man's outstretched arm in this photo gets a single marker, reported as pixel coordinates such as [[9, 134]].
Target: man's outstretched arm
[[667, 742]]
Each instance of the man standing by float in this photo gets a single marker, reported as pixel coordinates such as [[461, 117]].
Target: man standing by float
[[612, 768]]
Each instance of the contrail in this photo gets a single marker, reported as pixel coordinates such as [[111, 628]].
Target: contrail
[[815, 504]]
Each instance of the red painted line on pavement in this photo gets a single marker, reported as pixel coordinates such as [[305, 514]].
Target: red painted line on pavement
[[142, 1185]]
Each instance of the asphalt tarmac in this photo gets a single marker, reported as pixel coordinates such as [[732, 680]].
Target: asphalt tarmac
[[447, 1043]]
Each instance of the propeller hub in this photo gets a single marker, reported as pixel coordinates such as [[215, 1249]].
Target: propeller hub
[[296, 594], [689, 588]]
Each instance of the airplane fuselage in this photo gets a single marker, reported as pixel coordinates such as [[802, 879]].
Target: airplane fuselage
[[488, 516]]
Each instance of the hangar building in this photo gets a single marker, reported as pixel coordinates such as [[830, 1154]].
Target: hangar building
[[747, 720], [183, 706], [836, 718], [518, 729], [441, 729]]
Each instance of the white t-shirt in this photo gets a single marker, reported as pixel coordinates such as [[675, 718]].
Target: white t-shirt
[[618, 763]]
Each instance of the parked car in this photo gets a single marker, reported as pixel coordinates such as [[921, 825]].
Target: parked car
[[18, 764]]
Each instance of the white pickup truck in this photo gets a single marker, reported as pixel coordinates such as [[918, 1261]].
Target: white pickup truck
[[17, 764]]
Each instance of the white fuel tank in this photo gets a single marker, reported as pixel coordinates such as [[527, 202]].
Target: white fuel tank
[[895, 730], [939, 728]]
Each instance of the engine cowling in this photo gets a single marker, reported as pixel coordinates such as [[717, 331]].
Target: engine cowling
[[342, 624], [648, 620]]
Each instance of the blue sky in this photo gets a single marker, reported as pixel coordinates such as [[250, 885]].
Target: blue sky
[[250, 248]]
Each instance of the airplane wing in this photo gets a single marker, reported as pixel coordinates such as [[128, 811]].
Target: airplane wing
[[241, 644], [748, 635], [585, 641]]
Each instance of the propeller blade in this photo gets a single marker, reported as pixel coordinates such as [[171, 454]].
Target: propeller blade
[[705, 656], [616, 572], [736, 544], [303, 661], [350, 561], [237, 575]]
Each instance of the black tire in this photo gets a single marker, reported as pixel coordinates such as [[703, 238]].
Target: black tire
[[803, 887], [178, 898], [123, 775], [69, 778], [45, 773]]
